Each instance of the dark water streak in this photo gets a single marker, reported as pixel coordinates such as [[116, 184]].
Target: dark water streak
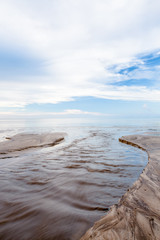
[[59, 192]]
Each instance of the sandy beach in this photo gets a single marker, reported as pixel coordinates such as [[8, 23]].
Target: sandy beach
[[137, 215]]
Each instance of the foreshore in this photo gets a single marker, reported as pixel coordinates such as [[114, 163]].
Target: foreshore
[[137, 214]]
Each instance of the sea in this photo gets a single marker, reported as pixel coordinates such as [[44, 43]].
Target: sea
[[59, 192]]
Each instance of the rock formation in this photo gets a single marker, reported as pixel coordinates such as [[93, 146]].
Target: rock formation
[[137, 215], [24, 141]]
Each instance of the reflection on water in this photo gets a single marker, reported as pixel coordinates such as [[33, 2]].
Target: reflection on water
[[59, 192]]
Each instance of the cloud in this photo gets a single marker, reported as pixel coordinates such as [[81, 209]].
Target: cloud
[[65, 113], [145, 106], [54, 51], [79, 112], [143, 71]]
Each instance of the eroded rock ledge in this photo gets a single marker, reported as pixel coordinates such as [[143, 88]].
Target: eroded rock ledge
[[24, 141], [137, 215]]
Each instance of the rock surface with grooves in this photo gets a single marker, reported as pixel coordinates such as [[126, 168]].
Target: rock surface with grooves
[[137, 215], [24, 141]]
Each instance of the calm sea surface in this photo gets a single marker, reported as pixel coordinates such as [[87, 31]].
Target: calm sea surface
[[57, 193]]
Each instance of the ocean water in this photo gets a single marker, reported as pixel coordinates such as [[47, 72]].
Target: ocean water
[[57, 193]]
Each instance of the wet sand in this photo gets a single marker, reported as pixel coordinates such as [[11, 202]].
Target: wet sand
[[137, 215]]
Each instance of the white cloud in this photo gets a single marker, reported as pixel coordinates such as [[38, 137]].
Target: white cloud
[[68, 113], [80, 112], [145, 106], [78, 41]]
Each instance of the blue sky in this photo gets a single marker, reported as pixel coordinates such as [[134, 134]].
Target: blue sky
[[96, 58]]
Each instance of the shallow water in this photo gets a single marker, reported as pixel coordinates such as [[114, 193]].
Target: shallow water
[[59, 192]]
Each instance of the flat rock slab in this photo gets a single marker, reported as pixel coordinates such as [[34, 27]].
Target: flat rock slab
[[21, 142], [137, 215]]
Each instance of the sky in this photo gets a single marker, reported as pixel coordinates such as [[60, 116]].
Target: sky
[[79, 58]]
